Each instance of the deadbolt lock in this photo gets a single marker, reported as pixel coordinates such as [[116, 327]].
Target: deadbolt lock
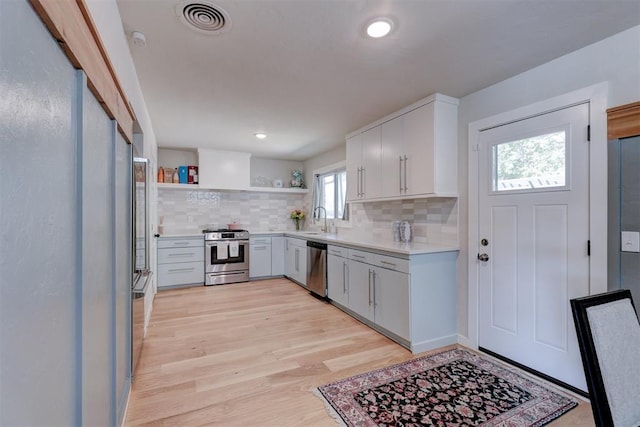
[[484, 242]]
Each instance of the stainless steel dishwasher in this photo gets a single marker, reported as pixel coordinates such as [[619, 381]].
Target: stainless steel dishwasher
[[317, 268]]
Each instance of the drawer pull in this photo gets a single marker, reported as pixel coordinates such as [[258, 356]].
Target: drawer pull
[[181, 270], [391, 264], [359, 256], [259, 248], [182, 255], [180, 243]]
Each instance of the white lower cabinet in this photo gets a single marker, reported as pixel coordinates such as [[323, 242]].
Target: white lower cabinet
[[381, 296], [180, 261], [277, 256], [296, 260], [259, 257], [360, 290], [391, 301], [338, 275], [412, 300]]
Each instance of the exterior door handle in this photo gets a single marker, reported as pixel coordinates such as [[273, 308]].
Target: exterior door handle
[[483, 257]]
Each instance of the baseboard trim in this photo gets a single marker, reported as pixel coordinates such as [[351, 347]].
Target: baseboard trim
[[536, 373], [434, 343]]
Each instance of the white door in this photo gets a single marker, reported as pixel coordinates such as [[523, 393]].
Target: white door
[[534, 232]]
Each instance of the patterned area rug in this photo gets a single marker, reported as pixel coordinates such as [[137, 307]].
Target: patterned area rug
[[452, 388]]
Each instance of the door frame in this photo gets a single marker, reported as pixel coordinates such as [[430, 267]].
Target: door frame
[[596, 96]]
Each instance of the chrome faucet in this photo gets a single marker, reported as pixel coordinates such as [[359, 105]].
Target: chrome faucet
[[324, 229]]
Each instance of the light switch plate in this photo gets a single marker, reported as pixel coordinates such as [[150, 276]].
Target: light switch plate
[[630, 241]]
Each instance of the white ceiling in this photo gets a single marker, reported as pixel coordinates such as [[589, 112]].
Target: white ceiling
[[303, 72]]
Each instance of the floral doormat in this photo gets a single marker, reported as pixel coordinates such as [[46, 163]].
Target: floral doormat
[[452, 388]]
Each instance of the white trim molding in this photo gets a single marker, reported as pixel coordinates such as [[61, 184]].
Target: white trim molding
[[596, 95]]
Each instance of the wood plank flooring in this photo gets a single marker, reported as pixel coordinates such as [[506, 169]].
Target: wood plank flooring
[[248, 354]]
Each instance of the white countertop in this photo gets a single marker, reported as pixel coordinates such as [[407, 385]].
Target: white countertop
[[412, 248]]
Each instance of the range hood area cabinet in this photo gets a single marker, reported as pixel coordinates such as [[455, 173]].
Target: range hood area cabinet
[[224, 170], [410, 153]]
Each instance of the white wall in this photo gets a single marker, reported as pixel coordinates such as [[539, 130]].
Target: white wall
[[270, 169], [615, 60], [335, 155], [106, 16]]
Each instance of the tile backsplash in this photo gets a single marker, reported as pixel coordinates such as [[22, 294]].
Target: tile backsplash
[[190, 210], [433, 220]]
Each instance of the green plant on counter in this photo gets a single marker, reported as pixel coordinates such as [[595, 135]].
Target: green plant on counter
[[297, 216]]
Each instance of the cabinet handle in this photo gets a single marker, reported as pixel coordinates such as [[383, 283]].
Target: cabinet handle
[[358, 256], [405, 174], [358, 180], [178, 270], [374, 289], [181, 255], [400, 174], [297, 257], [180, 243], [259, 248], [390, 264], [369, 286], [344, 277], [364, 190]]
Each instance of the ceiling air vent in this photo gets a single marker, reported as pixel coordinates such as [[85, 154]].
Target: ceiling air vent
[[203, 17]]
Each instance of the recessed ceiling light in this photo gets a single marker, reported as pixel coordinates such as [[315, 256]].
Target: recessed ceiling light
[[260, 135], [379, 27]]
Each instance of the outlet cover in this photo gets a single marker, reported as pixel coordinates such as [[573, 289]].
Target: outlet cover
[[630, 241]]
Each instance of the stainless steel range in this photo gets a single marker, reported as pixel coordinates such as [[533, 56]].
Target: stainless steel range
[[226, 254]]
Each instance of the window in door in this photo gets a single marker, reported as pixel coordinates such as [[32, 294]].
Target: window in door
[[330, 193], [536, 162]]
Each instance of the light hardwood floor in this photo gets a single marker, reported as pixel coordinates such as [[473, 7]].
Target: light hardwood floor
[[248, 354]]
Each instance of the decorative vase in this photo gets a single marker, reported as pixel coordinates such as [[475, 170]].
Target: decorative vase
[[297, 221]]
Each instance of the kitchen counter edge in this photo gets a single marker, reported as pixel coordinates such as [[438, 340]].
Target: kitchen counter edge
[[385, 246]]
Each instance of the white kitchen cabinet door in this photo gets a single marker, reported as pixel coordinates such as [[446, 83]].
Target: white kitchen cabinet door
[[393, 152], [259, 260], [361, 289], [370, 174], [301, 265], [391, 298], [430, 134], [277, 256], [354, 164], [224, 170], [363, 165], [289, 258], [296, 260], [337, 279]]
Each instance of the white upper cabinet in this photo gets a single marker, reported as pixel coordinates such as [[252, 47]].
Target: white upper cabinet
[[224, 170], [417, 154], [363, 165], [393, 151], [431, 139], [354, 164]]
